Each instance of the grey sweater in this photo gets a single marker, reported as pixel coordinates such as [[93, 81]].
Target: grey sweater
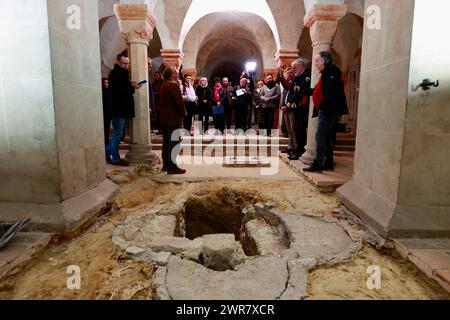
[[271, 97]]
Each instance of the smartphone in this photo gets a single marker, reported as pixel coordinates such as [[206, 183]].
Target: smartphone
[[142, 82]]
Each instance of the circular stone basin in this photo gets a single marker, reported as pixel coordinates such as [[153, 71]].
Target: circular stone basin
[[252, 251], [220, 231]]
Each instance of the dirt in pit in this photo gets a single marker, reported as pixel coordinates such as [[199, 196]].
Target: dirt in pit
[[107, 273]]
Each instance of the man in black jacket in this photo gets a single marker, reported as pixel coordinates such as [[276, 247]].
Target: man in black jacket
[[122, 106], [242, 97], [329, 103]]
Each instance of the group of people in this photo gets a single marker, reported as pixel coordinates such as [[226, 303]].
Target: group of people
[[174, 102], [329, 103], [227, 104]]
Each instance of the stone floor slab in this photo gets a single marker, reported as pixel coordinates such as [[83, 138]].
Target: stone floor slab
[[21, 249], [327, 181], [254, 280], [430, 260]]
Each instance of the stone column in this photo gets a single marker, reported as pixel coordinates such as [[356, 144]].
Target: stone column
[[172, 57], [136, 23], [322, 20], [52, 150]]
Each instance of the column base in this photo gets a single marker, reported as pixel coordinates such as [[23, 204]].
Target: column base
[[140, 154], [66, 218], [393, 220], [309, 156]]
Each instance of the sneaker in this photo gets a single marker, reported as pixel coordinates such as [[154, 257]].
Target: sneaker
[[121, 163], [176, 171]]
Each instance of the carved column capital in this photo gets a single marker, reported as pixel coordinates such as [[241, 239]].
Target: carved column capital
[[322, 20], [136, 22], [172, 57], [284, 57]]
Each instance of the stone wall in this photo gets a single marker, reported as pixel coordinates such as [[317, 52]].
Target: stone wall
[[51, 123], [29, 167], [401, 176]]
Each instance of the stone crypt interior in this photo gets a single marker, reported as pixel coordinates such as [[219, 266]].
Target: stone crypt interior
[[136, 233]]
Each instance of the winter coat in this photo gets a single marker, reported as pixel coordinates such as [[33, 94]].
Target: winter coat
[[121, 93], [172, 110]]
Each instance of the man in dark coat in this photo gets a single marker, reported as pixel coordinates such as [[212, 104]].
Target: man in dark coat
[[329, 103], [122, 106], [242, 97], [172, 114], [228, 103]]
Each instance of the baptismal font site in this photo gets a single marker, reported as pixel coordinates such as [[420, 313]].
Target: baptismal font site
[[237, 150]]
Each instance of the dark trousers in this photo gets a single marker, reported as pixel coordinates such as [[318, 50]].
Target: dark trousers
[[107, 128], [170, 148], [250, 118], [301, 127], [204, 117], [269, 118], [228, 115], [190, 110], [219, 122], [325, 137], [241, 118]]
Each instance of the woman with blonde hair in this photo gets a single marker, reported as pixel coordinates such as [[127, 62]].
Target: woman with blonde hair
[[204, 102]]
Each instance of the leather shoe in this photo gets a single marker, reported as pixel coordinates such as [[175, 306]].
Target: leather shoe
[[164, 169], [294, 156], [316, 167], [121, 163], [329, 166], [176, 171], [108, 160]]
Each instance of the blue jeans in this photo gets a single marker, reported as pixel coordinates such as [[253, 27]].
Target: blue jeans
[[325, 137], [112, 149]]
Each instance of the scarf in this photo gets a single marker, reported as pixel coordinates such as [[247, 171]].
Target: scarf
[[318, 94], [217, 88]]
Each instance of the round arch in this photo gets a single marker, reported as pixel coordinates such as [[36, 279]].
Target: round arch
[[200, 9]]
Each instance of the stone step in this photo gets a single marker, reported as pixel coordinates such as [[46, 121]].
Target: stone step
[[227, 150], [344, 148]]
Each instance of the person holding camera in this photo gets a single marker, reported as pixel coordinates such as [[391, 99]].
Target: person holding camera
[[300, 89], [122, 90], [288, 109]]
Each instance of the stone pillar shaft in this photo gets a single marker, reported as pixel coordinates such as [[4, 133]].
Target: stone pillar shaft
[[136, 24], [322, 20]]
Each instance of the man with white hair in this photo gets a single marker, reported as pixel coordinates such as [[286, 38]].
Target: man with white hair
[[329, 103], [297, 99]]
